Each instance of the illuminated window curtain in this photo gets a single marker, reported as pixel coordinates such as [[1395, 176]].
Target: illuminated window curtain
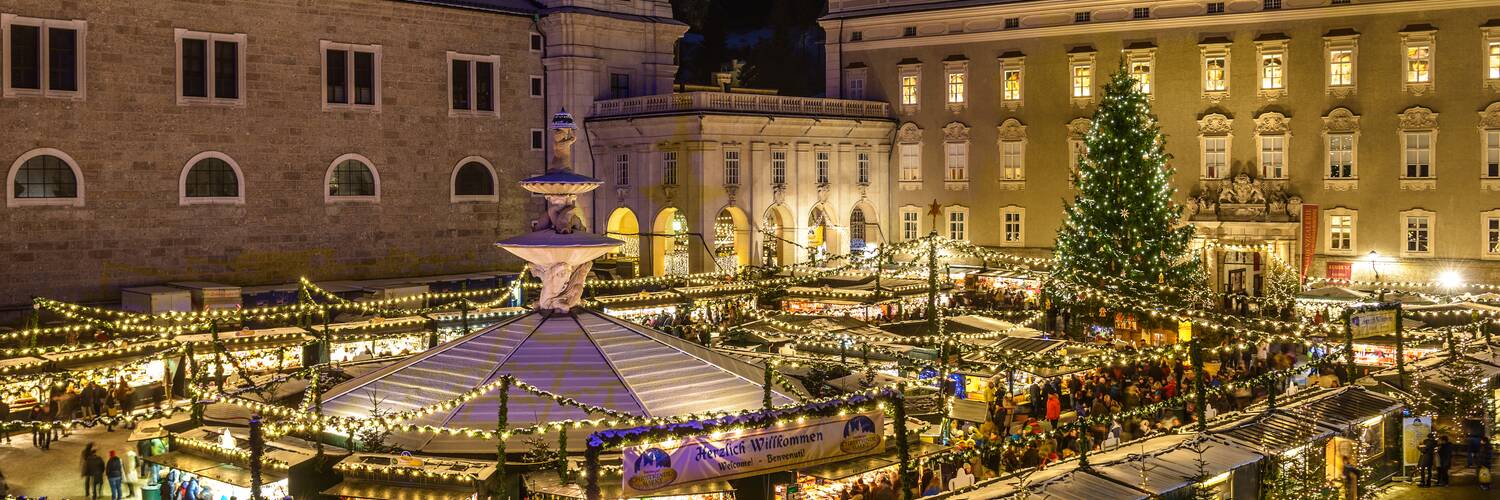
[[677, 259], [724, 235]]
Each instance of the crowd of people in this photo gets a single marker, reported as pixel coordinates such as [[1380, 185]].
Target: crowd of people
[[75, 401]]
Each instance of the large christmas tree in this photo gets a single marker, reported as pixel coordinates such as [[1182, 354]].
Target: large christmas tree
[[1122, 223]]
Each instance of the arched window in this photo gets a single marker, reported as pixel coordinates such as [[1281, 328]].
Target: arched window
[[857, 231], [211, 177], [45, 177], [351, 178], [473, 180]]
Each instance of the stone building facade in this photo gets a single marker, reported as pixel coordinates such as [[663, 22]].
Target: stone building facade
[[1382, 115], [712, 179], [248, 143]]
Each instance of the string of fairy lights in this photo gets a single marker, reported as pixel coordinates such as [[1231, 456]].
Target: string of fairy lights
[[160, 333]]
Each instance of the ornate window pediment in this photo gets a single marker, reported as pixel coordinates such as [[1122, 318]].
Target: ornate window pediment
[[1012, 130], [1272, 123], [909, 132], [1079, 128], [1215, 124], [955, 132], [1417, 117]]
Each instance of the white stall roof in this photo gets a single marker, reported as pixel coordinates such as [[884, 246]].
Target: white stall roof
[[1171, 466]]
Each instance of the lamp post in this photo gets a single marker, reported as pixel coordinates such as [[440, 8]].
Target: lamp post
[[1374, 257]]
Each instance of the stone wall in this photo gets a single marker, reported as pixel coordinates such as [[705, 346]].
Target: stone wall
[[132, 139]]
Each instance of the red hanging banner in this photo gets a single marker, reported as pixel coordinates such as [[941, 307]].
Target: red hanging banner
[[1309, 237]]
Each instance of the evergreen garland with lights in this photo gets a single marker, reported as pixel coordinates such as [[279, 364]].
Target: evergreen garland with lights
[[1123, 223]]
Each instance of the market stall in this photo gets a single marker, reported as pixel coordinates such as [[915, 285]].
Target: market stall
[[217, 460], [256, 351], [377, 338], [377, 476], [1168, 467], [831, 481], [860, 297], [143, 366], [21, 392], [1062, 482], [545, 485], [1368, 426]]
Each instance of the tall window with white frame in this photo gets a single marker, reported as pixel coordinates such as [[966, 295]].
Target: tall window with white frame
[[1341, 52], [1272, 67], [911, 221], [1273, 156], [957, 88], [732, 167], [669, 168], [1418, 154], [1418, 47], [351, 76], [862, 168], [1491, 222], [958, 220], [1492, 153], [956, 160], [1215, 156], [909, 82], [1013, 226], [210, 67], [778, 168], [622, 169], [1011, 166], [911, 161], [821, 165], [1011, 79], [1341, 156], [1492, 57], [1082, 79], [45, 57], [1340, 234], [1418, 225], [1141, 64], [1216, 71]]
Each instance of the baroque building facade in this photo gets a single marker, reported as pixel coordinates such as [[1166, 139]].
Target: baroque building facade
[[250, 143], [1357, 138], [717, 178]]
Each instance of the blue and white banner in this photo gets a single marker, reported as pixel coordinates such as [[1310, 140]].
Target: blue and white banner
[[655, 467]]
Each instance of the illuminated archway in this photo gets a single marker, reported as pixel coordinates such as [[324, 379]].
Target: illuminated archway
[[623, 226], [777, 232], [822, 235], [670, 247], [731, 239]]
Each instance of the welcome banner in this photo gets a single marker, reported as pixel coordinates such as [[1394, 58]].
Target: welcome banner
[[654, 467]]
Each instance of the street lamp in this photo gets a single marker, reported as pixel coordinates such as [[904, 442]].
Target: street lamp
[[1374, 257]]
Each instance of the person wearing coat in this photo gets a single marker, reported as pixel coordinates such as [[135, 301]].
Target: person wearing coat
[[93, 475], [1054, 409], [1428, 450], [114, 470], [1444, 460]]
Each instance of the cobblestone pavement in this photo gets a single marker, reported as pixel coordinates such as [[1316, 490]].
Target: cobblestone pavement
[[56, 473], [1462, 487]]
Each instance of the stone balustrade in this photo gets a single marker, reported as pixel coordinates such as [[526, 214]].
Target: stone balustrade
[[741, 103]]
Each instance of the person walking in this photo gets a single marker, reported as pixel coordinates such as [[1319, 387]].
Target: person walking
[[93, 473], [1444, 460], [1428, 449], [115, 471]]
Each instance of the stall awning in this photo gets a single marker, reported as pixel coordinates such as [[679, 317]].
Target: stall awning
[[210, 468], [1056, 483], [1272, 433], [1348, 406], [1174, 468], [354, 488]]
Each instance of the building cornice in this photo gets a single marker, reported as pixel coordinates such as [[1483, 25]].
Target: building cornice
[[1196, 21]]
